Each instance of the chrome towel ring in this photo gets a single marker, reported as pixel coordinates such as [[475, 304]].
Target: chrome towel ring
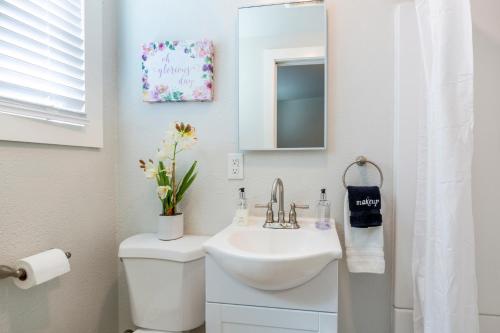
[[361, 161]]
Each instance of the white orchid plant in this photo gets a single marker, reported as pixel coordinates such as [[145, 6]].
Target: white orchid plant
[[179, 137]]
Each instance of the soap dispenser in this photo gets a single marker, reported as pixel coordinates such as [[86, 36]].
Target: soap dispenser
[[323, 212], [241, 215]]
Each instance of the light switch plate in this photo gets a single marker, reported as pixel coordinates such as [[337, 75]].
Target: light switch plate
[[235, 166]]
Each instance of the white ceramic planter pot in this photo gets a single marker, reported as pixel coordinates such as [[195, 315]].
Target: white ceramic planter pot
[[170, 227]]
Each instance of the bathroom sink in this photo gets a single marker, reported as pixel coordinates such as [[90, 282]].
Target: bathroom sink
[[274, 259]]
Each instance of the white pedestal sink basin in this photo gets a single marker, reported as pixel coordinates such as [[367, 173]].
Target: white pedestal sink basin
[[274, 259]]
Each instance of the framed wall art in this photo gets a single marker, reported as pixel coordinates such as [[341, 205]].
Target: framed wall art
[[178, 71]]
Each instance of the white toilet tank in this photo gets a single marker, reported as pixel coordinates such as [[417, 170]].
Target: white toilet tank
[[166, 281]]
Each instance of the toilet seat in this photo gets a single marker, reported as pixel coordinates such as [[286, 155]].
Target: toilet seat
[[142, 330]]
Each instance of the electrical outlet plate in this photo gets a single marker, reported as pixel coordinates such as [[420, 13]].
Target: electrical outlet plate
[[235, 166]]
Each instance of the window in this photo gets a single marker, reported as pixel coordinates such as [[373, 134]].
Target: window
[[43, 72]]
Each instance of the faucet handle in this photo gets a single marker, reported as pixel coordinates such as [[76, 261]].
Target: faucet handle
[[269, 212], [261, 205], [300, 206], [292, 216]]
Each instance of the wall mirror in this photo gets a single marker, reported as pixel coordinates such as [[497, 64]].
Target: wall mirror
[[282, 100]]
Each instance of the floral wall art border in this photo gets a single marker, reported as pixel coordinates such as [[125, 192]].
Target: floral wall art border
[[178, 71]]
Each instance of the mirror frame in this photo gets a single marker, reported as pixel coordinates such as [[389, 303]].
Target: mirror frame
[[326, 99]]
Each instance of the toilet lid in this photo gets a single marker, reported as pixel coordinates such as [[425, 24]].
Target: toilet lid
[[187, 248], [141, 330]]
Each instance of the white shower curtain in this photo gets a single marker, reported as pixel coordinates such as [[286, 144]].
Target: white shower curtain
[[445, 287]]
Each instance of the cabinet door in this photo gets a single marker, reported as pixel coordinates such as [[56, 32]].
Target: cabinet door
[[225, 318]]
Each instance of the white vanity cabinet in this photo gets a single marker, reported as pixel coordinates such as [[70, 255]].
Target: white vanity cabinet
[[234, 307], [230, 318]]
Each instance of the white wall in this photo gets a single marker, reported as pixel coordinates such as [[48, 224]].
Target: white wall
[[59, 196], [360, 122], [486, 29]]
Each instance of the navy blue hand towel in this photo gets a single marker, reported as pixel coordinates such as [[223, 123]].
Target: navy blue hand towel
[[364, 204]]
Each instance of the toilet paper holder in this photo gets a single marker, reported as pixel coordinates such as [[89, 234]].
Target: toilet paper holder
[[7, 271]]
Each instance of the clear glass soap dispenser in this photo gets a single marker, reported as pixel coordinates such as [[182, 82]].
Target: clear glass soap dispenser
[[241, 215], [323, 212]]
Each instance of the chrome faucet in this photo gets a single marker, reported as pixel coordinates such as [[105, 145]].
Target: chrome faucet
[[278, 186], [277, 196]]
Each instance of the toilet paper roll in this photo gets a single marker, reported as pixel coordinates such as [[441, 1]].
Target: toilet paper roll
[[42, 267]]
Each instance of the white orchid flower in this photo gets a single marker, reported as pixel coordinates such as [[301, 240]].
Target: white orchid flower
[[168, 170], [162, 191], [166, 152], [150, 170], [172, 135], [186, 142], [162, 155]]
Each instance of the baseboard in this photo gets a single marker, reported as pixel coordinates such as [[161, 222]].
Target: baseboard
[[403, 322]]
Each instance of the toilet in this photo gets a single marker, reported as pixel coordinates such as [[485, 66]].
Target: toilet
[[166, 282]]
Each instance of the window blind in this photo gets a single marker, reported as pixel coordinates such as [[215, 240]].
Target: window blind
[[42, 60]]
